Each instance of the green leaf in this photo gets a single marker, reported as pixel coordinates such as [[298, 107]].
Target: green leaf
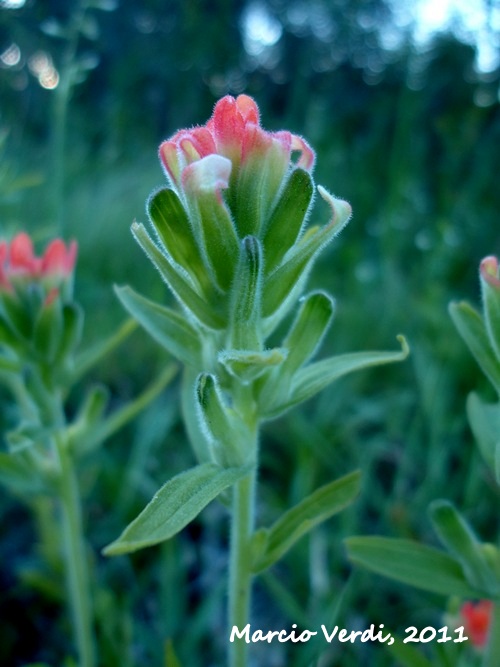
[[130, 410], [225, 430], [9, 365], [82, 432], [255, 185], [86, 360], [197, 434], [175, 505], [407, 655], [271, 544], [18, 475], [72, 325], [410, 563], [44, 400], [484, 419], [168, 328], [457, 536], [176, 278], [298, 260], [314, 378], [17, 316], [171, 222], [301, 343], [308, 330], [248, 365], [245, 315], [8, 336], [491, 310], [217, 234], [48, 330], [287, 218], [471, 327], [171, 659], [497, 463]]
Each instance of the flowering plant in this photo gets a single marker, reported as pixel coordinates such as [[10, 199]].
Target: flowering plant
[[468, 568], [40, 332], [232, 245]]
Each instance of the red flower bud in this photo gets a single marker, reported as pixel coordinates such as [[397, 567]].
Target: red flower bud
[[233, 132], [476, 618], [18, 260], [489, 271]]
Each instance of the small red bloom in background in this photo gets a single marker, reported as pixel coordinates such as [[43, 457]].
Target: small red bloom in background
[[18, 260], [490, 271], [59, 260], [476, 617]]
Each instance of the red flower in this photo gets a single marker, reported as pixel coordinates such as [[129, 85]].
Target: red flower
[[59, 260], [476, 619], [19, 260], [233, 151], [232, 132]]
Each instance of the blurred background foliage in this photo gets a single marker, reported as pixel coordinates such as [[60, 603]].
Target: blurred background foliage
[[403, 112]]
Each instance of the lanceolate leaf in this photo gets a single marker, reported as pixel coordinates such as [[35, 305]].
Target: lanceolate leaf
[[458, 538], [225, 429], [410, 563], [491, 305], [246, 297], [166, 326], [130, 410], [484, 419], [271, 544], [315, 377], [248, 365], [175, 505], [18, 475], [48, 330], [72, 315], [172, 225], [218, 235], [178, 283], [471, 327], [307, 331], [297, 262], [81, 433], [88, 359], [197, 434], [287, 218]]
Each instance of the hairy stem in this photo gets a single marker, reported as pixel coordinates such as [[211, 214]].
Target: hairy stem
[[75, 560], [240, 574]]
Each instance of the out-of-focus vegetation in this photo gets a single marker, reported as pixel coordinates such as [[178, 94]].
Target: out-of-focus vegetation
[[410, 136]]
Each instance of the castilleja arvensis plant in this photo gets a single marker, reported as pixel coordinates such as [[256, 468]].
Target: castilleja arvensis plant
[[231, 242], [40, 361]]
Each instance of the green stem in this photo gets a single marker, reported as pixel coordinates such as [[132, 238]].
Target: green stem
[[75, 561], [240, 574], [492, 652], [62, 95]]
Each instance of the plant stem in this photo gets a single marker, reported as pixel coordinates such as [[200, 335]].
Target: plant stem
[[62, 95], [75, 561], [492, 652], [240, 575]]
